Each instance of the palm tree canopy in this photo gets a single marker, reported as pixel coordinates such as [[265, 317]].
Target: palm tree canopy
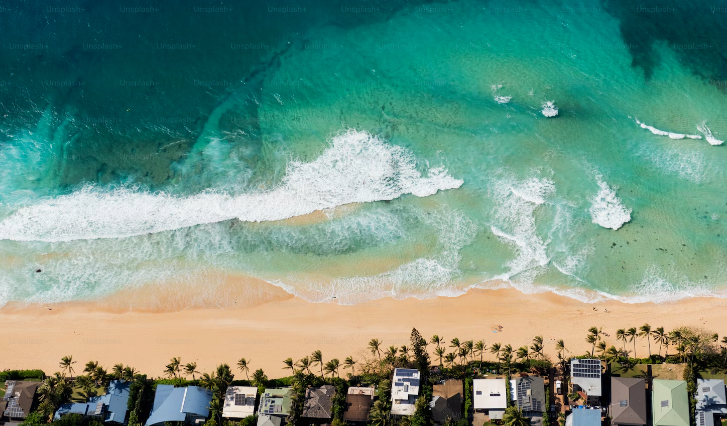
[[514, 417]]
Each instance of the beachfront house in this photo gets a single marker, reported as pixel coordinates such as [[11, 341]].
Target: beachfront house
[[109, 408], [669, 403], [628, 401], [239, 402], [188, 404], [585, 380], [584, 417], [447, 400], [358, 404], [404, 391], [274, 406], [318, 404], [528, 394], [18, 399], [711, 402], [490, 397]]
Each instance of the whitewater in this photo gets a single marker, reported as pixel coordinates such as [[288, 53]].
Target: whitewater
[[357, 167]]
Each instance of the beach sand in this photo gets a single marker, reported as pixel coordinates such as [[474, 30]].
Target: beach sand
[[274, 325]]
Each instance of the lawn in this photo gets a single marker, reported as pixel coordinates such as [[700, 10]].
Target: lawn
[[668, 371], [79, 395], [638, 370], [713, 375]]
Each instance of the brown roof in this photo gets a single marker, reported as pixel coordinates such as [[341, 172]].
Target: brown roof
[[447, 401], [318, 403], [628, 401], [23, 393], [357, 408]]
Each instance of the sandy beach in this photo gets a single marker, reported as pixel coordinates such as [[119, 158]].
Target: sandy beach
[[280, 326]]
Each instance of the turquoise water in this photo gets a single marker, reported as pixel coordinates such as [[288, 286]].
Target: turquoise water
[[173, 146]]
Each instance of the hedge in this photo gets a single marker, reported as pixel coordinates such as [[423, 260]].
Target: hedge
[[21, 375]]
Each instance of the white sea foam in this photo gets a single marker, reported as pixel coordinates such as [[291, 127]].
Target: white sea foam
[[356, 168], [549, 109], [502, 99], [708, 134], [607, 209], [671, 135]]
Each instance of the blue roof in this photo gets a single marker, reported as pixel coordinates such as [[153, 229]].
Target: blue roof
[[586, 417], [173, 404], [115, 401]]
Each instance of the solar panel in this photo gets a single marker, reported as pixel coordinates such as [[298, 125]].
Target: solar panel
[[240, 400], [665, 403], [624, 403]]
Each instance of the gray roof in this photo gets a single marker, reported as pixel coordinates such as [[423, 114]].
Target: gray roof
[[447, 401], [173, 404], [318, 403], [711, 400], [586, 374], [584, 417], [529, 393], [628, 401], [264, 420]]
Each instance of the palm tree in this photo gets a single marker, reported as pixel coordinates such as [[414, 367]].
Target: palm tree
[[350, 363], [208, 381], [439, 352], [172, 369], [304, 364], [621, 335], [537, 346], [66, 364], [645, 331], [129, 373], [390, 355], [289, 364], [596, 332], [118, 370], [380, 414], [90, 367], [332, 367], [86, 384], [522, 353], [632, 334], [259, 378], [601, 346], [560, 347], [375, 347], [480, 348], [470, 346], [507, 355], [190, 369], [450, 358], [592, 339], [454, 343], [317, 358], [462, 353], [244, 366], [496, 349], [612, 353], [436, 340], [659, 337], [224, 377], [99, 375], [51, 393], [514, 417]]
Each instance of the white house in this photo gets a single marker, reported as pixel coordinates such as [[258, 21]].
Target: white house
[[490, 397], [239, 402], [404, 391]]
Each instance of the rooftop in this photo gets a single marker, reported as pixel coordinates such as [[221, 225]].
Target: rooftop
[[110, 407], [19, 398], [711, 400], [628, 401], [318, 402], [173, 404], [586, 374], [670, 405], [489, 393], [275, 402], [239, 402], [584, 417], [358, 407], [447, 401], [529, 394], [404, 391]]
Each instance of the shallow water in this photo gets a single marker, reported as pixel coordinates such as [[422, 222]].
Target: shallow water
[[165, 145]]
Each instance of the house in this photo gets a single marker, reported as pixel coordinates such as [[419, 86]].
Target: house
[[490, 397], [404, 391], [669, 404], [585, 379], [274, 406], [447, 400], [628, 401], [239, 402], [711, 402], [189, 404], [109, 408], [18, 399], [584, 417], [358, 404], [529, 396], [318, 402]]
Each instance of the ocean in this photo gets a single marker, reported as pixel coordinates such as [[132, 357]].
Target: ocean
[[170, 144]]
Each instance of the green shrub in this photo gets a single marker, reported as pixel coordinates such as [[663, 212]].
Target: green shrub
[[21, 375]]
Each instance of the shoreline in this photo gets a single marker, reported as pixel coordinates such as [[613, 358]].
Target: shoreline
[[279, 325]]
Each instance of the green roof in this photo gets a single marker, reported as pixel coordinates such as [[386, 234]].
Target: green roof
[[670, 404]]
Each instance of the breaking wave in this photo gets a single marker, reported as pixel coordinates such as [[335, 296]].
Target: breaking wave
[[607, 209], [357, 167]]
